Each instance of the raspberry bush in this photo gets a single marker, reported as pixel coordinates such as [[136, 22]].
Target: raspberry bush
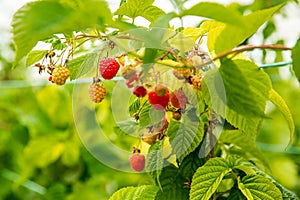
[[196, 100]]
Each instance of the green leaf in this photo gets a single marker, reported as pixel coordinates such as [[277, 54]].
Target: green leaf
[[208, 177], [163, 21], [155, 161], [134, 106], [135, 8], [250, 93], [215, 11], [258, 187], [230, 92], [145, 192], [185, 136], [82, 65], [172, 184], [269, 29], [190, 164], [144, 116], [218, 37], [37, 20], [35, 56], [286, 194], [281, 105], [296, 59], [249, 148]]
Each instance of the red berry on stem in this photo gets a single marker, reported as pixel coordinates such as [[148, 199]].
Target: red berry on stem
[[137, 161], [178, 99], [109, 67], [140, 91], [159, 98]]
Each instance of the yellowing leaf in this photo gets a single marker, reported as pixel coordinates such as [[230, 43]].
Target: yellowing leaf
[[281, 105], [193, 33]]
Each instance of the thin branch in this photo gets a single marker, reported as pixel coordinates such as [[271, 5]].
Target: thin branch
[[251, 47], [248, 48]]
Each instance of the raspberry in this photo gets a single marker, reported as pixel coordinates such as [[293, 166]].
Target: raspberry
[[97, 92], [59, 75], [109, 67], [178, 99], [196, 82], [140, 91], [137, 161], [159, 98]]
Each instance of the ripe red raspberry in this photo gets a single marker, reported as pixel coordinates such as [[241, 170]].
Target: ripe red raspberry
[[109, 67], [137, 161], [97, 92], [60, 74], [178, 99], [140, 91], [159, 98]]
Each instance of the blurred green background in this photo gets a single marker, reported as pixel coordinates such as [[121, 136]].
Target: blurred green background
[[42, 157]]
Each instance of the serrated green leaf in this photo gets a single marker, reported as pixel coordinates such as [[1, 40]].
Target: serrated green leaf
[[250, 93], [190, 164], [82, 65], [128, 127], [155, 161], [208, 177], [185, 136], [238, 138], [37, 20], [145, 192], [172, 185], [144, 116], [215, 11], [35, 56], [286, 194], [218, 37], [134, 106], [296, 59], [258, 187], [281, 105], [238, 92], [135, 8]]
